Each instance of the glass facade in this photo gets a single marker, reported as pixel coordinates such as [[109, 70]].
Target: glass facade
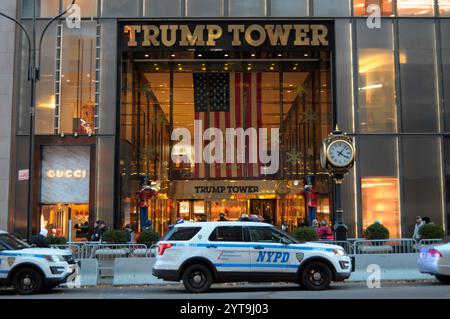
[[385, 86]]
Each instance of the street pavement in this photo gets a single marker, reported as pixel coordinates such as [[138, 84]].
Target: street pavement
[[351, 290]]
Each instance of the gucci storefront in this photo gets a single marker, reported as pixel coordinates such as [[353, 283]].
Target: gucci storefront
[[220, 106]]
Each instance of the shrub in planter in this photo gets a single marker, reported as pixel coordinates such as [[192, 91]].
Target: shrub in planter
[[431, 231], [376, 231], [304, 234], [148, 238], [115, 237], [55, 240]]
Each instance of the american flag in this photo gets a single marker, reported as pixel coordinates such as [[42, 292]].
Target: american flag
[[228, 100]]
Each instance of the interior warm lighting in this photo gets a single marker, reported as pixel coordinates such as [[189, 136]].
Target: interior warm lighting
[[372, 86], [50, 105], [444, 7], [415, 7], [361, 7], [380, 202]]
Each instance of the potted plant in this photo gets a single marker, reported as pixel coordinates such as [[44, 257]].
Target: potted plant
[[431, 231], [57, 240], [375, 232], [304, 234], [147, 238]]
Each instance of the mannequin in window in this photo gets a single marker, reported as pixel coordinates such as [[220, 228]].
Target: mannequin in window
[[144, 194], [310, 195]]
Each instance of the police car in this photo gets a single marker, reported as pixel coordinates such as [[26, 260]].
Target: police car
[[32, 270], [200, 254]]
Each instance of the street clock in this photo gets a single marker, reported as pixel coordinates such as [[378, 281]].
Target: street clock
[[337, 153], [337, 157]]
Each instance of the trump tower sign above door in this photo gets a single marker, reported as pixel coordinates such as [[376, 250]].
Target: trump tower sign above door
[[226, 36], [65, 174]]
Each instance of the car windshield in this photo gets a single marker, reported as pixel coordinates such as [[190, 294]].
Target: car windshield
[[270, 235], [12, 242]]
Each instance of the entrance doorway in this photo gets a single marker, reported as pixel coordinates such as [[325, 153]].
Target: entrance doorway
[[66, 220], [172, 99], [265, 208]]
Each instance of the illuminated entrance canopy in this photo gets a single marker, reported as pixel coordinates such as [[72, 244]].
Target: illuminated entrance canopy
[[227, 35]]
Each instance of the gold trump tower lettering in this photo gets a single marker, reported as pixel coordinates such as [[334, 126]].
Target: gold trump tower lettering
[[207, 35]]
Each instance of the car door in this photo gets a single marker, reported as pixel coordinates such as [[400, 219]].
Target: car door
[[227, 250], [4, 267], [270, 253]]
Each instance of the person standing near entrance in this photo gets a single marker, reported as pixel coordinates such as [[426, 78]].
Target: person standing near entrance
[[41, 240], [419, 223]]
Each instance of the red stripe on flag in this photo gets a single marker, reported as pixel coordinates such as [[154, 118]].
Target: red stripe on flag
[[216, 143], [196, 165], [248, 119], [259, 113], [238, 102], [229, 172]]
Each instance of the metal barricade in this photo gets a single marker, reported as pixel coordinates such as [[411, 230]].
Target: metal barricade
[[428, 242], [386, 246], [96, 250]]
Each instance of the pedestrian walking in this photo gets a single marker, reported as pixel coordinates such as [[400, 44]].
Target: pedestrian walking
[[130, 234], [315, 224], [419, 223], [41, 240], [148, 225], [324, 232], [99, 230]]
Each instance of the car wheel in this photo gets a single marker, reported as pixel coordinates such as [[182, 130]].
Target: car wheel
[[27, 281], [197, 278], [443, 279], [316, 276]]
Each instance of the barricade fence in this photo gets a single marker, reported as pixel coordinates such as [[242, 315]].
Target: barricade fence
[[352, 246], [105, 251]]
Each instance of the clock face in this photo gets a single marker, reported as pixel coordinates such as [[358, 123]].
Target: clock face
[[340, 153]]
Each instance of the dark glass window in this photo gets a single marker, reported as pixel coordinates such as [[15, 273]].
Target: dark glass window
[[227, 233], [417, 75], [447, 178], [182, 233], [445, 53], [268, 235], [421, 181], [376, 80]]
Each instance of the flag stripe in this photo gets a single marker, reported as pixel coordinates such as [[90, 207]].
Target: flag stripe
[[244, 110], [238, 101], [259, 115]]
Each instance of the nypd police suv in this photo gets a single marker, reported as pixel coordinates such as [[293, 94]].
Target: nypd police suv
[[32, 270], [200, 254]]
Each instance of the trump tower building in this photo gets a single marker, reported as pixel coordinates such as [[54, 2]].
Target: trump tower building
[[221, 106]]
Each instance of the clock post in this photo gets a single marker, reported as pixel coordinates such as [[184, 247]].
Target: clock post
[[337, 158]]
